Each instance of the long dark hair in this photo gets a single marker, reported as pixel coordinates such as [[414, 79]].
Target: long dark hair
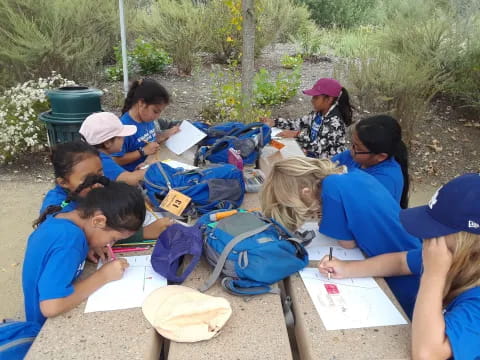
[[345, 108], [148, 90], [65, 156], [123, 205], [72, 196], [383, 134]]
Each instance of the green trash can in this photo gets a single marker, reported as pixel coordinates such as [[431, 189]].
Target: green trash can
[[70, 106]]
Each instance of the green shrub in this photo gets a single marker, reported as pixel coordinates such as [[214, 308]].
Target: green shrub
[[144, 59], [176, 26], [269, 92], [308, 40], [72, 37], [226, 102], [291, 62], [349, 43], [341, 13], [20, 128]]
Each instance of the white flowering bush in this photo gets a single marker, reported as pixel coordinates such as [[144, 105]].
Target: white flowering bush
[[20, 128]]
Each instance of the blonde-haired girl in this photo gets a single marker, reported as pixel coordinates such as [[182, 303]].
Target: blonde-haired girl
[[354, 208], [446, 319]]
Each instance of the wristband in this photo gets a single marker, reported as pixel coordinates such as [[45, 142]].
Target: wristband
[[141, 151]]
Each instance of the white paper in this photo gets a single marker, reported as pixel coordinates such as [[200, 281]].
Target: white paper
[[138, 281], [178, 164], [360, 302], [275, 131], [188, 136]]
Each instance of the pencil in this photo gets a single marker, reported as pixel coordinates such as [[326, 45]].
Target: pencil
[[149, 208], [330, 259], [112, 255]]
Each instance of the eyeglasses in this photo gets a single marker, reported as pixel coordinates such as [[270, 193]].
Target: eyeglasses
[[360, 152]]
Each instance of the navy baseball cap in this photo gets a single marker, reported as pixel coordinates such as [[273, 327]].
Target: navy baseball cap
[[455, 207]]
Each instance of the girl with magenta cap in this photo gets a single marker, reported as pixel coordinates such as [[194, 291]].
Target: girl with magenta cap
[[446, 318], [322, 132]]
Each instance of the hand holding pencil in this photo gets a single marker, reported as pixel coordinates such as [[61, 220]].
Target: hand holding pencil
[[334, 268]]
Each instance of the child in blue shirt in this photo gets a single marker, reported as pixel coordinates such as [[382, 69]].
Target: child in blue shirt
[[56, 250], [377, 148], [145, 101], [78, 169], [106, 132], [354, 208], [446, 319]]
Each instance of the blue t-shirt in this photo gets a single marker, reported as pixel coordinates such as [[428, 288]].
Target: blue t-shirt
[[54, 258], [388, 172], [462, 316], [357, 207], [55, 197], [110, 168], [145, 133]]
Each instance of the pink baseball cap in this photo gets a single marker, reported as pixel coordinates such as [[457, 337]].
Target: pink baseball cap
[[325, 86], [102, 126]]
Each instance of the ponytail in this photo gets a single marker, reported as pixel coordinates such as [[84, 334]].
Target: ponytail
[[383, 134], [72, 196], [148, 90], [344, 106]]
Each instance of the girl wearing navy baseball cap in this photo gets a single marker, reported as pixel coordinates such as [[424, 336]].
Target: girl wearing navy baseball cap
[[446, 318], [321, 133]]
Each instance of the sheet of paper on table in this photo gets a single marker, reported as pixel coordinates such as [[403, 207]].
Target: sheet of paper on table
[[178, 164], [138, 281], [187, 137], [350, 303]]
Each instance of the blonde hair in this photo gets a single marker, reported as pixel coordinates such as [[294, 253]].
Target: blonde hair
[[464, 273], [281, 196]]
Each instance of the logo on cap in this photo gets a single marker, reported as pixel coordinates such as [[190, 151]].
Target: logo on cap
[[473, 224], [433, 200]]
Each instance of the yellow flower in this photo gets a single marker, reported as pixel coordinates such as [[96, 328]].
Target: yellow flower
[[229, 39]]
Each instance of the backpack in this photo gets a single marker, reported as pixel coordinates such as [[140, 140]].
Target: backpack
[[173, 243], [248, 139], [253, 252], [212, 188], [16, 337], [218, 131]]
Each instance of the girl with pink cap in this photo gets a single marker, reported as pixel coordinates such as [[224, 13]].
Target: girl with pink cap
[[321, 133]]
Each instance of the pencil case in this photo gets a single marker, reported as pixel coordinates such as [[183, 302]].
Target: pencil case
[[254, 179]]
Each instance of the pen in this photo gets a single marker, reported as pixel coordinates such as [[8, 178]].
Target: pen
[[132, 249], [330, 259], [112, 255]]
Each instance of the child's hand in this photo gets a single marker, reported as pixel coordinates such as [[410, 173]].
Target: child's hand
[[268, 121], [164, 135], [437, 258], [94, 254], [114, 270], [338, 269], [288, 133], [151, 148]]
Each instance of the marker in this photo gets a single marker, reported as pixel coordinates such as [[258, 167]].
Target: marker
[[330, 259], [112, 255], [132, 249]]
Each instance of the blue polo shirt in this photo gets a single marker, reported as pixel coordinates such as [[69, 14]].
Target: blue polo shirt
[[54, 258], [388, 172], [462, 316], [110, 168], [55, 197], [145, 133], [357, 207]]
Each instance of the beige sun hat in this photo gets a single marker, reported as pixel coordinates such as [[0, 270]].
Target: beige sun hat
[[182, 314]]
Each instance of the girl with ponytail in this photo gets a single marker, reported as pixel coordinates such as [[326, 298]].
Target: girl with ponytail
[[145, 101], [350, 208], [377, 148], [57, 249]]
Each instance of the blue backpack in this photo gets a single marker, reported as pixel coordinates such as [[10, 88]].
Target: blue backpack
[[218, 131], [212, 188], [248, 139], [16, 337], [253, 252]]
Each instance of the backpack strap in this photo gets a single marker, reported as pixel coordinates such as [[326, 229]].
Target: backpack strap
[[226, 251], [240, 287], [165, 176]]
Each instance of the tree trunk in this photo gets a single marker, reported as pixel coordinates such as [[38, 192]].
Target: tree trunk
[[248, 62]]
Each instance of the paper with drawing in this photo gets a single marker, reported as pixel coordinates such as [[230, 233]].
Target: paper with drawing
[[138, 281], [350, 303]]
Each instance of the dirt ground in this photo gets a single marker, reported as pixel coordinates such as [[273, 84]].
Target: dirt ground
[[447, 143]]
